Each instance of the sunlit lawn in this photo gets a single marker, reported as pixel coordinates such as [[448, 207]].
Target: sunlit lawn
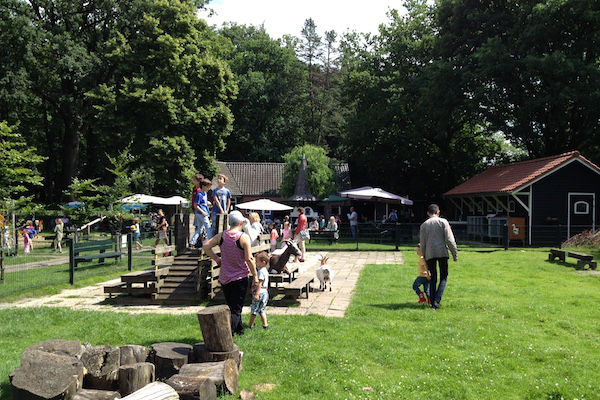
[[512, 326]]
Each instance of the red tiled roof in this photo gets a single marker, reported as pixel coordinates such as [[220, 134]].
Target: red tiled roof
[[510, 177]]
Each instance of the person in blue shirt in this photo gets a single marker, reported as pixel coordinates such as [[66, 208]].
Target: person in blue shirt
[[201, 212], [221, 201]]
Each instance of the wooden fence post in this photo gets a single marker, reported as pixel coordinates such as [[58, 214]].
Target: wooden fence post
[[72, 260], [129, 251]]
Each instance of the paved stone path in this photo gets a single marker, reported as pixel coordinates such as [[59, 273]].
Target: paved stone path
[[346, 265]]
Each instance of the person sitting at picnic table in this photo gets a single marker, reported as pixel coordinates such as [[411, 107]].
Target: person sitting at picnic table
[[237, 263], [314, 225], [333, 226]]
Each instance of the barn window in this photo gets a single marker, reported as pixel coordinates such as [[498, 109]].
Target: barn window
[[582, 207], [512, 206]]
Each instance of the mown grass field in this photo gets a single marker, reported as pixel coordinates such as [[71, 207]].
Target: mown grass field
[[512, 326]]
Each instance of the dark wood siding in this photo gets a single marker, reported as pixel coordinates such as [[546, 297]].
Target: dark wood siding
[[550, 200]]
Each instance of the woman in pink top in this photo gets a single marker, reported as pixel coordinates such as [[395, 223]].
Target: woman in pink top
[[301, 225], [236, 257]]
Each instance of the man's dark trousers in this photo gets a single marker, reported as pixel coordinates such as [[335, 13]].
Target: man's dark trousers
[[436, 293]]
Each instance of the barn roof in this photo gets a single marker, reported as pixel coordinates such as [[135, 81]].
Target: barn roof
[[265, 178], [511, 177]]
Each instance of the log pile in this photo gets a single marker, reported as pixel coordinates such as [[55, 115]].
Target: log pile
[[66, 369]]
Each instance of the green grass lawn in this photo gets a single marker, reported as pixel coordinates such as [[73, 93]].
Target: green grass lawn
[[512, 326]]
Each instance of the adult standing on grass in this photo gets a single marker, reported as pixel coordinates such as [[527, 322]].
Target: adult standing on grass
[[236, 264], [353, 218], [436, 239], [59, 231]]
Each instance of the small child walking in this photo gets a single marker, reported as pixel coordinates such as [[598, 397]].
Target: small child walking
[[135, 230], [274, 236], [423, 278], [260, 295], [26, 242], [286, 234], [59, 231]]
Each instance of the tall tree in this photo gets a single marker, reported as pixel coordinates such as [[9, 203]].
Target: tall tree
[[18, 168], [94, 77], [310, 50], [532, 67], [270, 106]]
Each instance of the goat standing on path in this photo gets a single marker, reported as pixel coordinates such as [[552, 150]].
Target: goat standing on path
[[324, 274]]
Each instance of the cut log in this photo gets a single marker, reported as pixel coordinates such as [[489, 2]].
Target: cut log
[[71, 348], [201, 354], [93, 394], [169, 357], [215, 323], [102, 364], [132, 354], [45, 375], [154, 391], [224, 374], [133, 377], [193, 388]]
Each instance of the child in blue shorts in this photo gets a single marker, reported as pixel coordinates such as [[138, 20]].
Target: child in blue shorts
[[423, 278], [260, 295]]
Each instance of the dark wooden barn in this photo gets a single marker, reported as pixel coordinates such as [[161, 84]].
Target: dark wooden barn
[[543, 201]]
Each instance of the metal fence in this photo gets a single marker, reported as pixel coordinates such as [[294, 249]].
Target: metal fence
[[392, 236], [43, 265]]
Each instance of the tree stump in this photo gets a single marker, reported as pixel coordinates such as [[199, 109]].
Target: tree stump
[[133, 354], [45, 375], [193, 388], [154, 391], [93, 394], [215, 323], [169, 357], [224, 374], [201, 354], [133, 377], [102, 364], [72, 348]]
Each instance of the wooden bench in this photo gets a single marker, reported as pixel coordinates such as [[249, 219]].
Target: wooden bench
[[299, 285], [582, 259], [283, 277], [330, 236], [100, 246]]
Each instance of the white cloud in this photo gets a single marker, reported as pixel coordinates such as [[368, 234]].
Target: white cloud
[[287, 17]]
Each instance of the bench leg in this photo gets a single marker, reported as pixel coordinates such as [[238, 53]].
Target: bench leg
[[593, 265], [581, 264], [551, 257]]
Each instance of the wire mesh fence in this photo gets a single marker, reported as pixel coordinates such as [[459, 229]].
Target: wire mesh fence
[[41, 262]]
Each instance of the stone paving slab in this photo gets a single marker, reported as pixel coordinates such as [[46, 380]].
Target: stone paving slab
[[346, 266]]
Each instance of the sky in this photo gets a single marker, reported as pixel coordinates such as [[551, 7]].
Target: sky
[[287, 17]]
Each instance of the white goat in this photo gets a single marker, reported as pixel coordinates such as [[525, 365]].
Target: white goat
[[325, 274]]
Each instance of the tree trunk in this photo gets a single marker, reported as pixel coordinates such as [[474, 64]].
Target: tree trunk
[[215, 323], [169, 357], [193, 388], [154, 391], [201, 354], [133, 377], [223, 374]]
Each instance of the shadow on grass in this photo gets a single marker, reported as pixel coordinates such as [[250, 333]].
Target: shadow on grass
[[399, 306], [5, 391]]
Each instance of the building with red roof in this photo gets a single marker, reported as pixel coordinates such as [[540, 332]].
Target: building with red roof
[[542, 201]]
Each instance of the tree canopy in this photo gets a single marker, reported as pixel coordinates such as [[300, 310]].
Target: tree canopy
[[441, 92]]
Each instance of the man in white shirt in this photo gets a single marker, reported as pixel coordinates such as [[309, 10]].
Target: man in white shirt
[[436, 239], [353, 218]]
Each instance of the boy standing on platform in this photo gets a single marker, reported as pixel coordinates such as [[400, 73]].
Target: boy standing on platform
[[221, 201]]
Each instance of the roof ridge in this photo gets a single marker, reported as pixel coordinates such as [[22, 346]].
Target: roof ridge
[[568, 153]]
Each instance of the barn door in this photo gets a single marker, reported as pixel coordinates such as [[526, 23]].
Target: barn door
[[582, 212]]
